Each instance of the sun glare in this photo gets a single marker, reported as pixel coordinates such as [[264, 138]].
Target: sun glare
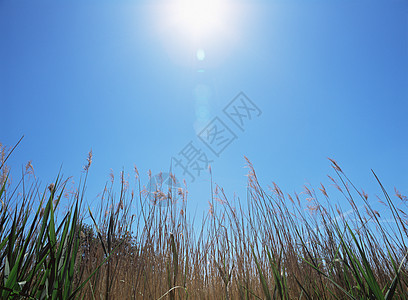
[[198, 27], [200, 17]]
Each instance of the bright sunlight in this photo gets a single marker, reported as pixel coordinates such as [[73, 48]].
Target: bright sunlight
[[200, 18], [199, 26]]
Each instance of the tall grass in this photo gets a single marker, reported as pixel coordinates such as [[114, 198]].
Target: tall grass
[[38, 255], [265, 247]]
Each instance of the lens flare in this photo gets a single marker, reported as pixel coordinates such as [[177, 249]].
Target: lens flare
[[200, 54]]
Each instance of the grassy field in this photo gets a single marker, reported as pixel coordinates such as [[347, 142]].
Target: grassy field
[[266, 247]]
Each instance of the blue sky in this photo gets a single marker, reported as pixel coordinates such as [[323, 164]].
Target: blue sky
[[330, 78]]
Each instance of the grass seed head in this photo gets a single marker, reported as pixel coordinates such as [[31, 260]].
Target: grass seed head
[[88, 161]]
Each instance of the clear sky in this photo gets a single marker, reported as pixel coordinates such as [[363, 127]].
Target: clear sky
[[137, 81]]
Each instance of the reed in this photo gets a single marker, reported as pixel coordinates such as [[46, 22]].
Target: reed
[[272, 245]]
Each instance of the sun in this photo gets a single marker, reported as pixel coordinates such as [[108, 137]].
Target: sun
[[199, 19], [195, 28]]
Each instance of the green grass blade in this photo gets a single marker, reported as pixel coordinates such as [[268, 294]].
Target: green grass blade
[[261, 277]]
